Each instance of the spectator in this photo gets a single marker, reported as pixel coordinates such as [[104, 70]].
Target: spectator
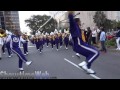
[[102, 40], [89, 35], [94, 35], [118, 38]]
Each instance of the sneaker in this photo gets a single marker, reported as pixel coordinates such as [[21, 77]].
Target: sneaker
[[3, 53], [66, 48], [82, 64], [25, 54], [85, 67], [52, 48], [38, 49], [47, 46], [9, 56], [57, 49], [77, 54], [90, 71], [40, 52], [28, 63], [117, 49], [21, 69]]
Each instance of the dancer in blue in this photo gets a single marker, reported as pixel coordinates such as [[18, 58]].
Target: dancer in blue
[[80, 46], [15, 41]]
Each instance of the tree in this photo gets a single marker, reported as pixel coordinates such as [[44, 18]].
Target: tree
[[35, 21], [108, 24], [99, 18]]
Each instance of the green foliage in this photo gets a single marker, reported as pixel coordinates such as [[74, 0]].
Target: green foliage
[[35, 21], [99, 18], [111, 42]]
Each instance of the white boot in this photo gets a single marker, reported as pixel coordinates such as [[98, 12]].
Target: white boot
[[21, 69], [9, 56], [90, 71], [28, 63], [77, 54], [82, 64]]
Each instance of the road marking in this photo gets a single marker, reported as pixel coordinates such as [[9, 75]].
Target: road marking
[[92, 75], [28, 46]]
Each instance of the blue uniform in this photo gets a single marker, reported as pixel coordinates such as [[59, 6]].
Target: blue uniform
[[52, 42], [25, 46], [66, 41], [47, 41], [43, 41], [40, 44], [37, 43], [15, 47], [60, 39], [57, 41], [79, 45], [8, 48]]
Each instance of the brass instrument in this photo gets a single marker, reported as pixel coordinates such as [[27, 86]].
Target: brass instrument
[[2, 33], [25, 37]]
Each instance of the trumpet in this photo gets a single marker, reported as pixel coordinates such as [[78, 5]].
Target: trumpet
[[2, 33]]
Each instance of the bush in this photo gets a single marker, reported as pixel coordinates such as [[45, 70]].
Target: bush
[[111, 42]]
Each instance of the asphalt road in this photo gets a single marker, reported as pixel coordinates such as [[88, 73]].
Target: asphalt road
[[62, 64]]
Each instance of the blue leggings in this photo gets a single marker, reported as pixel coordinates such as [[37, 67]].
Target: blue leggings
[[20, 56], [90, 52]]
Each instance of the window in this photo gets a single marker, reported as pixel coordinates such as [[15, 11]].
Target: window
[[1, 13], [2, 18]]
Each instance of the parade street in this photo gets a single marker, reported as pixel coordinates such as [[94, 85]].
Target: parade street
[[63, 64]]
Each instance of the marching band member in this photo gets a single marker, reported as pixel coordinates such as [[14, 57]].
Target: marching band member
[[44, 39], [80, 46], [47, 39], [36, 41], [57, 40], [66, 40], [52, 39], [25, 44], [4, 39], [2, 35], [60, 39], [40, 43], [8, 45], [15, 41]]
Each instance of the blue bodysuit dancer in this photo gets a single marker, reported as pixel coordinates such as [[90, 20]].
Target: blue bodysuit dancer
[[15, 41], [80, 46]]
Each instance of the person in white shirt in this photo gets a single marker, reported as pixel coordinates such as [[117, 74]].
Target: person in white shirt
[[94, 35]]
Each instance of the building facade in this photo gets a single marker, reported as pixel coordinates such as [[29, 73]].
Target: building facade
[[9, 20], [86, 18]]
